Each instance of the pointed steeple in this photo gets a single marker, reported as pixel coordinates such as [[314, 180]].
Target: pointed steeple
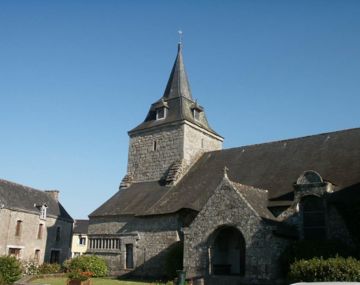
[[178, 83]]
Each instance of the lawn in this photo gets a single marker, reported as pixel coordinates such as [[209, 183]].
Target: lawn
[[95, 281]]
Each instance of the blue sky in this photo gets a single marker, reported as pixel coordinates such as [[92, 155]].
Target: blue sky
[[76, 75]]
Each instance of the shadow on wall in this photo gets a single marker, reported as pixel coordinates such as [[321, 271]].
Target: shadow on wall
[[58, 241]]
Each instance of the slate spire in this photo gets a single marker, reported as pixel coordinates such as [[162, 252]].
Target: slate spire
[[178, 83]]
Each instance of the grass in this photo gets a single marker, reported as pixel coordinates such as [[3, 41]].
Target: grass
[[95, 281]]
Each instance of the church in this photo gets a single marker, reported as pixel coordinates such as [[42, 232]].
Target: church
[[233, 211]]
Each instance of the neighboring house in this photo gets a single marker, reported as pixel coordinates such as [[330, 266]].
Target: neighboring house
[[79, 239], [235, 210], [33, 224]]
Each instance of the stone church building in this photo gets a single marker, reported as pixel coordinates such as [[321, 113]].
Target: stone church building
[[234, 210]]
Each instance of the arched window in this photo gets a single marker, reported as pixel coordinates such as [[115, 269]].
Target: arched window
[[227, 252], [313, 218]]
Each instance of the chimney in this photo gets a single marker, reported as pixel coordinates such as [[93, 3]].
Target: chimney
[[53, 194]]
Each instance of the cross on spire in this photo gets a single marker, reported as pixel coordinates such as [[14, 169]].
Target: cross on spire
[[180, 36]]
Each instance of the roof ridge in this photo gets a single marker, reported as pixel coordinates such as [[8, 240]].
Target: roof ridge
[[286, 140]]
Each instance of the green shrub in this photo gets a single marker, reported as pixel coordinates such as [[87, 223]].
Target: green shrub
[[174, 259], [49, 268], [90, 263], [308, 249], [10, 269], [332, 269], [2, 280]]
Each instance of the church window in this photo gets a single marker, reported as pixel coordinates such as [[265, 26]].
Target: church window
[[18, 228], [129, 256], [155, 146], [161, 113], [313, 214]]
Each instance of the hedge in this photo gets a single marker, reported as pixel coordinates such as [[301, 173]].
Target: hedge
[[10, 269], [90, 263], [332, 269]]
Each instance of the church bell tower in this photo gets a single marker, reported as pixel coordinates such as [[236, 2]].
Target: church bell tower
[[173, 135]]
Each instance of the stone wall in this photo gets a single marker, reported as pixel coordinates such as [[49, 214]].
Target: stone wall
[[27, 241], [147, 164], [227, 208], [151, 238], [197, 141], [173, 143]]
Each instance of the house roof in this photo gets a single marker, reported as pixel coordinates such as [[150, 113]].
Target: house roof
[[81, 226], [19, 197], [273, 166], [178, 100]]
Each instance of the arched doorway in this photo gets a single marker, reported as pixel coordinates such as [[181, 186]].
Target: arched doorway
[[227, 252]]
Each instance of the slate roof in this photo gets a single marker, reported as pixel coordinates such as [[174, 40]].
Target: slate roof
[[178, 99], [257, 198], [273, 166], [81, 226], [19, 197]]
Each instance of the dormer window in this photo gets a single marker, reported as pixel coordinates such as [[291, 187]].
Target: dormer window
[[196, 110], [43, 211], [196, 114], [160, 108], [161, 113]]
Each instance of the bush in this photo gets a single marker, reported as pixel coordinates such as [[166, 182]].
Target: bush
[[10, 269], [2, 280], [332, 269], [49, 268], [174, 259], [89, 263], [30, 267], [308, 249]]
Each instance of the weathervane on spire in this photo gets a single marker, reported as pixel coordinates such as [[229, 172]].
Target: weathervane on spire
[[180, 36]]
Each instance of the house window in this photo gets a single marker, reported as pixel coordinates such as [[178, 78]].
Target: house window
[[40, 231], [55, 256], [37, 255], [196, 114], [58, 234], [161, 113], [18, 228], [313, 214], [155, 146], [14, 252], [129, 256], [43, 212], [82, 240]]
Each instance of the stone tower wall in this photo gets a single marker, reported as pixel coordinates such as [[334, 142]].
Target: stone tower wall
[[147, 164], [173, 143], [196, 142]]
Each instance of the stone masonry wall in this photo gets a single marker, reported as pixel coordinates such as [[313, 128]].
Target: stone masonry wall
[[173, 143], [147, 164], [197, 142], [28, 240], [151, 238], [227, 208]]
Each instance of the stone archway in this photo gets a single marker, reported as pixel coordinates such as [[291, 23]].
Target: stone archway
[[227, 252]]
